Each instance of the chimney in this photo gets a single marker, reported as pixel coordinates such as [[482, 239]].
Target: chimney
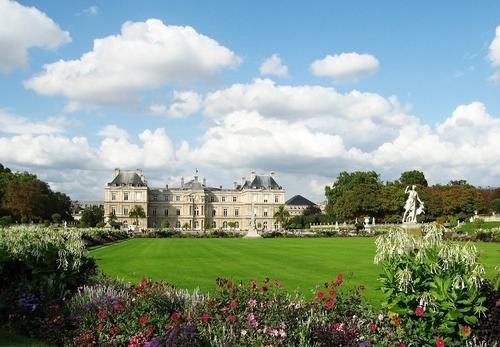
[[166, 186], [252, 175], [235, 184], [117, 172], [182, 182], [272, 174]]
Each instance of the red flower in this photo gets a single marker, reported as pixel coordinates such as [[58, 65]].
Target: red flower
[[233, 304], [467, 330], [231, 318], [440, 342], [118, 306], [320, 295], [229, 284], [373, 327], [340, 278], [402, 344], [330, 304], [143, 320], [419, 311], [101, 315], [175, 316], [150, 330], [331, 293], [114, 331], [205, 317]]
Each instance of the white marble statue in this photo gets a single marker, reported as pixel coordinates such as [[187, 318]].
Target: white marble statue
[[411, 208]]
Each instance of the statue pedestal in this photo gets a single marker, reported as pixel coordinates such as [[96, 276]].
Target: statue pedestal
[[252, 234], [410, 225]]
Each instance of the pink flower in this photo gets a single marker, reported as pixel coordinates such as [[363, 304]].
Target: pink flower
[[231, 318], [118, 306], [373, 327], [233, 304], [419, 311], [243, 332], [252, 302], [282, 333], [330, 304], [143, 320], [274, 332], [205, 317], [114, 331], [101, 315], [440, 342], [320, 295]]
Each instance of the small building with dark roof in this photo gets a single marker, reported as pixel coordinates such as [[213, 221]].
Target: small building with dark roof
[[297, 204]]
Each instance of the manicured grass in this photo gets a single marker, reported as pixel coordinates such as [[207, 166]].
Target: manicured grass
[[298, 263], [471, 227]]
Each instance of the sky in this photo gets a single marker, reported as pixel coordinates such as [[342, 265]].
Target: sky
[[304, 89]]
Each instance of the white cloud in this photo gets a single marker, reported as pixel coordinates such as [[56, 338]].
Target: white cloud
[[155, 152], [494, 49], [145, 55], [14, 124], [23, 28], [345, 66], [495, 78], [90, 11], [274, 66], [361, 119], [318, 188], [114, 132], [184, 103]]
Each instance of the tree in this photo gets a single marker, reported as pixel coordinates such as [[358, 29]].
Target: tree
[[112, 220], [416, 177], [311, 210], [354, 195], [91, 216], [165, 224], [495, 205], [231, 225], [281, 215], [137, 212], [56, 218]]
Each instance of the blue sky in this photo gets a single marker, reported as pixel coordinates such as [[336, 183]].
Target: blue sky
[[423, 71]]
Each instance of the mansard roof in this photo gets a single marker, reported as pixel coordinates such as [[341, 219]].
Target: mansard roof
[[261, 182], [299, 200], [129, 178]]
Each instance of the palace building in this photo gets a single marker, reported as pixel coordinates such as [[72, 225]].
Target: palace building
[[249, 205]]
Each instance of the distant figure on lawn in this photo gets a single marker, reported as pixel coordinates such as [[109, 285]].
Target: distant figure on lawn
[[411, 210]]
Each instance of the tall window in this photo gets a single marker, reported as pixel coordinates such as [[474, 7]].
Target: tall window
[[265, 225], [196, 211], [177, 198], [214, 212], [276, 198], [178, 211], [214, 224], [125, 196], [236, 212], [212, 198], [223, 199], [265, 212], [113, 210], [125, 211], [154, 211], [113, 196], [196, 224], [234, 198], [224, 225], [166, 197], [224, 213], [155, 197], [166, 212], [237, 225]]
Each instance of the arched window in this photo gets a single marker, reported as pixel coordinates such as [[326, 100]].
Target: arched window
[[236, 225], [224, 225], [214, 224], [196, 224], [265, 225]]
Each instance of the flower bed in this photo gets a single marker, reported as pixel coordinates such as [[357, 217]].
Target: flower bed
[[435, 296]]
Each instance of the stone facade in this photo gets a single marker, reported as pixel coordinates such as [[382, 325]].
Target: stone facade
[[194, 205]]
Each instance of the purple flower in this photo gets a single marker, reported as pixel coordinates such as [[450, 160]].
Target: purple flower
[[153, 343]]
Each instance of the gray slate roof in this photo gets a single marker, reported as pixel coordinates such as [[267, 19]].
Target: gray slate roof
[[127, 179], [299, 200], [261, 182]]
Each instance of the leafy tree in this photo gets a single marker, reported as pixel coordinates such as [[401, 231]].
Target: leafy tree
[[354, 195], [495, 205], [112, 220], [231, 225], [137, 212], [185, 226], [165, 224], [311, 210], [91, 216], [26, 198], [416, 177], [458, 183], [56, 218], [392, 199], [281, 215]]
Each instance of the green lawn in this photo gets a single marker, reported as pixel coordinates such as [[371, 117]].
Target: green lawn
[[297, 263], [471, 227]]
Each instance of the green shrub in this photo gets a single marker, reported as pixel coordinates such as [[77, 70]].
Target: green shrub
[[432, 286], [5, 221]]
